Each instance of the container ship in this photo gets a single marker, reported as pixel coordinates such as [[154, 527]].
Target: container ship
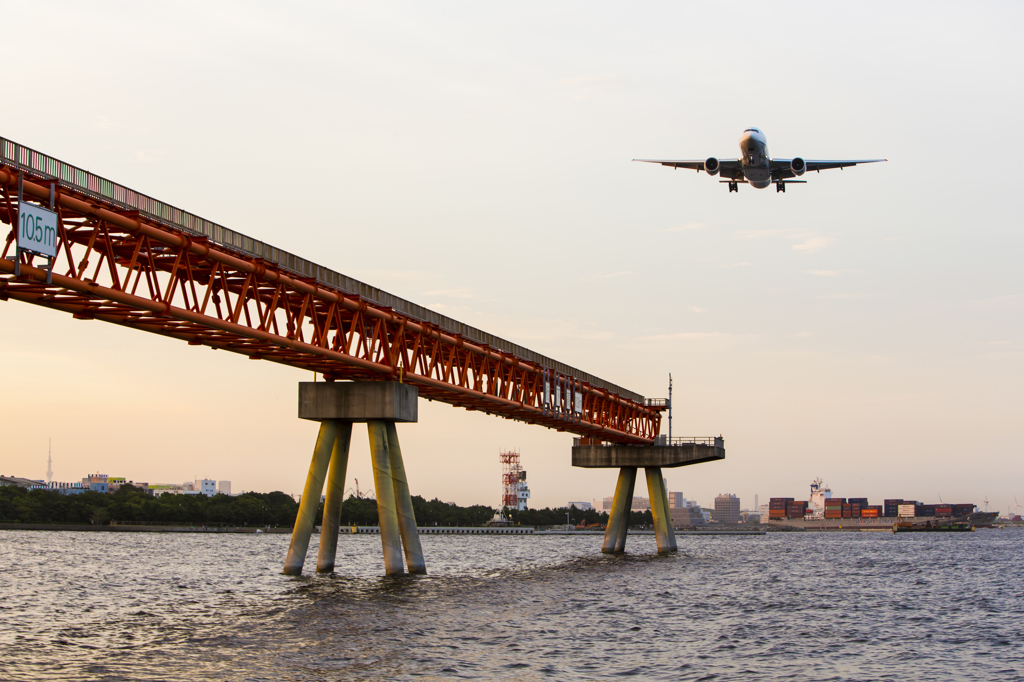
[[824, 512]]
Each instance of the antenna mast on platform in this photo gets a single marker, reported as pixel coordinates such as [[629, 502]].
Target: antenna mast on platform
[[49, 461], [670, 408]]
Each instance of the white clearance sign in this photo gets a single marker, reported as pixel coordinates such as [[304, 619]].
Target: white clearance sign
[[37, 230]]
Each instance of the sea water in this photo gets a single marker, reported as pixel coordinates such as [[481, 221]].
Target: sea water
[[783, 606]]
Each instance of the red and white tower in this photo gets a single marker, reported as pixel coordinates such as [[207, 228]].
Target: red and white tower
[[514, 491]]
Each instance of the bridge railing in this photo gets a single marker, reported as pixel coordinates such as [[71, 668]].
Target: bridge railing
[[82, 181]]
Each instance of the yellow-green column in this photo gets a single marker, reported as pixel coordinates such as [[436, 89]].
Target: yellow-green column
[[663, 533], [620, 544], [403, 502], [310, 498], [387, 512], [618, 515], [668, 516], [334, 497]]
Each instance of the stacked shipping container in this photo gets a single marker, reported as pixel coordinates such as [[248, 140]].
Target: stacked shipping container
[[777, 507], [858, 508]]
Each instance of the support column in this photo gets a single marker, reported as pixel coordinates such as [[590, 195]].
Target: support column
[[334, 497], [659, 510], [310, 497], [403, 502], [668, 516], [387, 512], [620, 543], [618, 515]]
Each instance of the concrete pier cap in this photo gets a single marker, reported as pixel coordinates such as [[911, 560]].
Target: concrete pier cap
[[358, 401], [611, 455]]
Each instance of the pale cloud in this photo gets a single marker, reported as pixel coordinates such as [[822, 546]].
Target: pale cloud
[[149, 155], [389, 274], [813, 244], [1007, 301], [582, 87], [695, 336], [829, 273], [610, 275], [695, 309], [686, 227], [809, 241], [762, 234], [450, 293]]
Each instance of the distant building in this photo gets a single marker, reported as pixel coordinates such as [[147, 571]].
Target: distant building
[[206, 486], [675, 500], [686, 517], [65, 488], [639, 504], [582, 506], [27, 483], [97, 483], [727, 509], [223, 487]]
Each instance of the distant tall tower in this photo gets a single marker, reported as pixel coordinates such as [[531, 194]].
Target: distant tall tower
[[514, 490], [49, 462]]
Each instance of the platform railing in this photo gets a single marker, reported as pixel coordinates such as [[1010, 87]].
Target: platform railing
[[665, 441]]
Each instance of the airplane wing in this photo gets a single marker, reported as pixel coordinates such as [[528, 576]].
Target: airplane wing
[[729, 168], [781, 167]]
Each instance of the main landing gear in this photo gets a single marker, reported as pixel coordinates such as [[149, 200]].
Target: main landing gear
[[734, 187], [780, 187]]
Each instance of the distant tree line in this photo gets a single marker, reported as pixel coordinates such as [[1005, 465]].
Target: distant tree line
[[130, 505], [560, 516]]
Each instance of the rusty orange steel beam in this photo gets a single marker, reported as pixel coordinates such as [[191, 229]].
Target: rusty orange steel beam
[[129, 269]]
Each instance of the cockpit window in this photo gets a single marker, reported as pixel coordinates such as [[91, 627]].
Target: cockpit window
[[751, 130]]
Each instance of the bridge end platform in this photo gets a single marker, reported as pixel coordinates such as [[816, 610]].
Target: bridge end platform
[[664, 453]]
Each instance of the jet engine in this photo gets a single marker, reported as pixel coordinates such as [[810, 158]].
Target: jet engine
[[712, 166], [798, 166]]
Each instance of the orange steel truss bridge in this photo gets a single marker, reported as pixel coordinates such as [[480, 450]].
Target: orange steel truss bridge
[[126, 258]]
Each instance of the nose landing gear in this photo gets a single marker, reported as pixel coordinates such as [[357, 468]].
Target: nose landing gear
[[780, 187], [734, 187]]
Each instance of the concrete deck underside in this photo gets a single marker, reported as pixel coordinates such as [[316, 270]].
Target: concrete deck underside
[[668, 456]]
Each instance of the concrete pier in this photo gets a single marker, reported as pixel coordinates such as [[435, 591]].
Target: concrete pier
[[334, 497], [628, 458], [337, 405], [387, 508], [618, 516], [403, 502], [310, 502], [663, 532]]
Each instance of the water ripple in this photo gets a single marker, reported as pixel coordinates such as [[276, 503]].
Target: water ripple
[[112, 606]]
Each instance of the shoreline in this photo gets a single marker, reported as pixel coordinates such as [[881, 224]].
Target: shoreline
[[349, 530]]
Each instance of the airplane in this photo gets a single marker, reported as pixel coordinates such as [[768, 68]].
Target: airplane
[[756, 168]]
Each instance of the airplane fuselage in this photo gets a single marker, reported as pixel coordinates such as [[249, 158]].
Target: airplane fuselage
[[754, 158]]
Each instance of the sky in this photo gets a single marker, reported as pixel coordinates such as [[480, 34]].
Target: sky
[[866, 327]]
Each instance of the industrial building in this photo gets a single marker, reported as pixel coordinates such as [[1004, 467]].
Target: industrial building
[[727, 509]]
